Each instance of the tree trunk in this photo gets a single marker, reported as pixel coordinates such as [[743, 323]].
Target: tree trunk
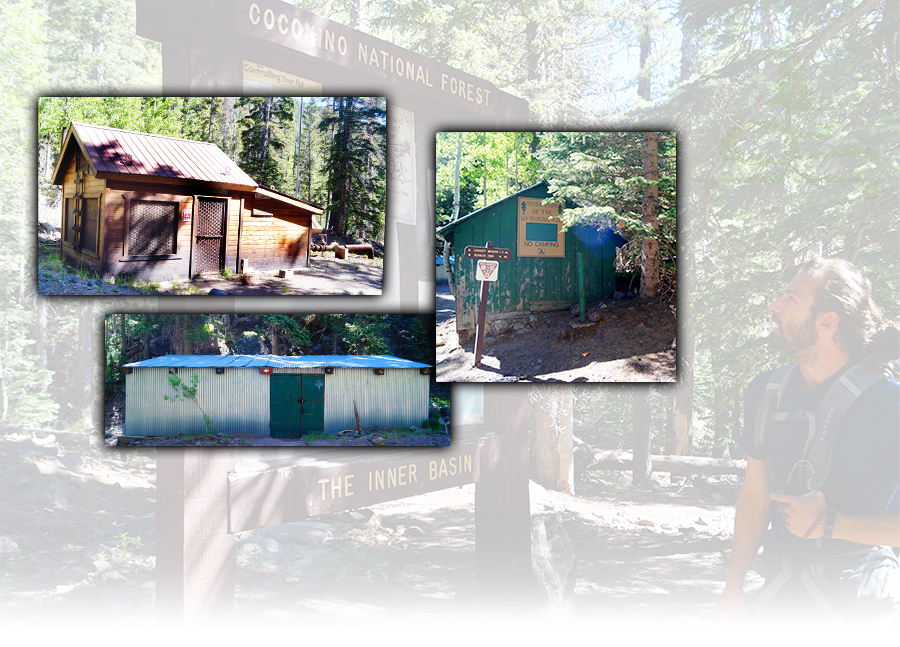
[[123, 339], [644, 74], [266, 128], [451, 275], [273, 339], [553, 445], [670, 421], [299, 149], [650, 245], [640, 435], [684, 399]]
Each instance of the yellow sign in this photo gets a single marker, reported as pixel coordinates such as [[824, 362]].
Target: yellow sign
[[258, 78], [540, 229]]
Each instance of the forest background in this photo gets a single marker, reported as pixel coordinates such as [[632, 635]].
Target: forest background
[[788, 146], [786, 119], [137, 337], [328, 151]]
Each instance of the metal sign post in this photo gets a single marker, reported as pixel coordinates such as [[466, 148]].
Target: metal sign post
[[487, 263]]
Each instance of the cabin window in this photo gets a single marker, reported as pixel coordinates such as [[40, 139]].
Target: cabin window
[[151, 227]]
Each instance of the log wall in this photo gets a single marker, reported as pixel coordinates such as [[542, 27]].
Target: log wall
[[268, 233], [273, 239]]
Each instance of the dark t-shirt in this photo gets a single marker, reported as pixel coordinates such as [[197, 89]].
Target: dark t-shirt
[[864, 477]]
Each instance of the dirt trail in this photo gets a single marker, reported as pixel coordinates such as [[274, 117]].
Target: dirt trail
[[79, 544], [633, 342]]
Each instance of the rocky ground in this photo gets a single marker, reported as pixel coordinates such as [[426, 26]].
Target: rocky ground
[[623, 340], [78, 545]]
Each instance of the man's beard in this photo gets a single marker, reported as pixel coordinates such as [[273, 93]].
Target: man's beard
[[799, 338]]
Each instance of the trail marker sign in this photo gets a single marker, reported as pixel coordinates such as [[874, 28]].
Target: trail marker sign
[[486, 270]]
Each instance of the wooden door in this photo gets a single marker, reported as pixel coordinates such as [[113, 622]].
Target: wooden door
[[209, 243]]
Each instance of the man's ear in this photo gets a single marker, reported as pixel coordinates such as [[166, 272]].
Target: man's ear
[[828, 321]]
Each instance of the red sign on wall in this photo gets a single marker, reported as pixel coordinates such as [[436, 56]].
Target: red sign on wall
[[265, 370], [186, 215]]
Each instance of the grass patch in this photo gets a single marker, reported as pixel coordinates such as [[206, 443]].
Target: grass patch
[[54, 262], [308, 437]]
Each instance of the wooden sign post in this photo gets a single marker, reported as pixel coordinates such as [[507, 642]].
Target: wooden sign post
[[487, 259]]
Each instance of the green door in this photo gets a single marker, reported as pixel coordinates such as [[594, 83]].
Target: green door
[[312, 413], [296, 405]]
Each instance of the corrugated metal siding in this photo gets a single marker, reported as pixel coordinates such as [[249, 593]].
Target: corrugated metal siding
[[237, 402], [399, 398]]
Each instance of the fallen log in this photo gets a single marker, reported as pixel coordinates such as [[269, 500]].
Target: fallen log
[[682, 465]]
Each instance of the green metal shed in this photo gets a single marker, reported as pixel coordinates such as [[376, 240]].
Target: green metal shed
[[542, 273]]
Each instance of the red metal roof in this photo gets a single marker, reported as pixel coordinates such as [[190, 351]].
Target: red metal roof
[[123, 152]]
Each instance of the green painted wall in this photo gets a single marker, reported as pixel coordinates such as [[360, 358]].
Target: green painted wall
[[523, 283]]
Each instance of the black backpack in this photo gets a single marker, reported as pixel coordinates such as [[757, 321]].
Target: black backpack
[[810, 472]]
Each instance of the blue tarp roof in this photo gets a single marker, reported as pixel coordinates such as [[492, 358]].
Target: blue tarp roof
[[278, 361]]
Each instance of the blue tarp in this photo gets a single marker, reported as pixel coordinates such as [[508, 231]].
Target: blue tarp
[[277, 361]]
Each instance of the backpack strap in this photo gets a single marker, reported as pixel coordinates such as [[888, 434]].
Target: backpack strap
[[831, 411], [822, 423], [767, 409]]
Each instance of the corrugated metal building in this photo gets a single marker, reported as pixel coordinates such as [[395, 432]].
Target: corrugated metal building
[[275, 396]]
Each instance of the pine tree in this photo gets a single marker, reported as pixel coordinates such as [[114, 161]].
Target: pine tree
[[356, 164], [263, 140]]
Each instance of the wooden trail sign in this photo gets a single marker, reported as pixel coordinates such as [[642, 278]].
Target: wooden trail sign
[[312, 486], [487, 253], [485, 274], [204, 498]]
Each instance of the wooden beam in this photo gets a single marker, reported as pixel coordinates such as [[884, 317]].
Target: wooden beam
[[195, 555], [502, 506]]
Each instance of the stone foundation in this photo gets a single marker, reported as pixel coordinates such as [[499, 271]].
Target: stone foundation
[[498, 327]]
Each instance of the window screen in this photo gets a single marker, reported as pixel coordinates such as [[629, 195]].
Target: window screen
[[151, 227], [90, 222], [70, 220]]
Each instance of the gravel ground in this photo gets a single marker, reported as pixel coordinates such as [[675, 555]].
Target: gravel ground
[[326, 275], [635, 342]]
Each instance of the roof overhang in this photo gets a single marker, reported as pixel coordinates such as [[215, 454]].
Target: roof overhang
[[268, 194]]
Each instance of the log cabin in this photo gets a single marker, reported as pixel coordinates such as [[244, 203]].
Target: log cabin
[[156, 207]]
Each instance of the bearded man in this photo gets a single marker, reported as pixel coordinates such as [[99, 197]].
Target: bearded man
[[822, 439]]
